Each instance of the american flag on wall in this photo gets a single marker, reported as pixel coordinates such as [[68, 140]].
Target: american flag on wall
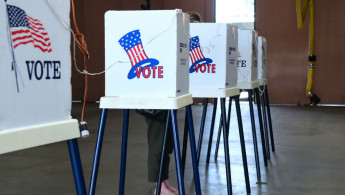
[[25, 30], [194, 50]]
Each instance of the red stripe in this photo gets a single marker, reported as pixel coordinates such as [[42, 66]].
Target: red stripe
[[191, 56], [36, 25], [41, 31], [28, 31], [37, 46], [133, 57], [130, 57], [143, 51], [33, 40], [43, 43], [32, 18], [196, 57], [37, 22], [40, 27], [195, 54], [42, 49], [20, 31], [41, 37], [136, 53], [200, 53], [37, 28], [21, 38], [23, 43]]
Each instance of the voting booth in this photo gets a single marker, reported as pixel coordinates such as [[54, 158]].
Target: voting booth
[[146, 67], [248, 80], [146, 56], [35, 75], [247, 59], [262, 65], [213, 73], [35, 79], [262, 60], [213, 59]]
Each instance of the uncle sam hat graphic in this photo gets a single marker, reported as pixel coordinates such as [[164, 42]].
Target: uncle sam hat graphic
[[132, 44], [196, 55]]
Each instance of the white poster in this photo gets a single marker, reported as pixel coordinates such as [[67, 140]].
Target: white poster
[[35, 68]]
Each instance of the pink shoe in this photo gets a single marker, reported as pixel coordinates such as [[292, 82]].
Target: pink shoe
[[165, 190], [170, 187]]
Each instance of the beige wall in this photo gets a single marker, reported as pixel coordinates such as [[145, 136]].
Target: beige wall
[[276, 20]]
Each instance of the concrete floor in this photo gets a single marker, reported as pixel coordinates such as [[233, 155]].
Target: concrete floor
[[309, 158]]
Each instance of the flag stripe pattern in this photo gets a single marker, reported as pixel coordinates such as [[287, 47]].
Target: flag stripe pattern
[[25, 30], [131, 42], [195, 52]]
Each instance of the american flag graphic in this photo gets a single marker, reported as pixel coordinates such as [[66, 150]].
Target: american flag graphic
[[194, 50], [131, 42], [25, 29]]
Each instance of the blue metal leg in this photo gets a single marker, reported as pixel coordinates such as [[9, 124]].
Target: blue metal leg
[[124, 152], [229, 112], [255, 142], [185, 141], [220, 130], [263, 141], [218, 137], [202, 127], [243, 146], [159, 182], [177, 153], [193, 150], [226, 147], [76, 166], [98, 151], [269, 119], [265, 123], [211, 130]]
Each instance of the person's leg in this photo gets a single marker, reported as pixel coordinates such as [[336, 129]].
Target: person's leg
[[155, 136], [169, 148]]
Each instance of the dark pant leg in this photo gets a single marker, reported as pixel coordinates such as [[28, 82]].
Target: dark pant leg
[[155, 136]]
